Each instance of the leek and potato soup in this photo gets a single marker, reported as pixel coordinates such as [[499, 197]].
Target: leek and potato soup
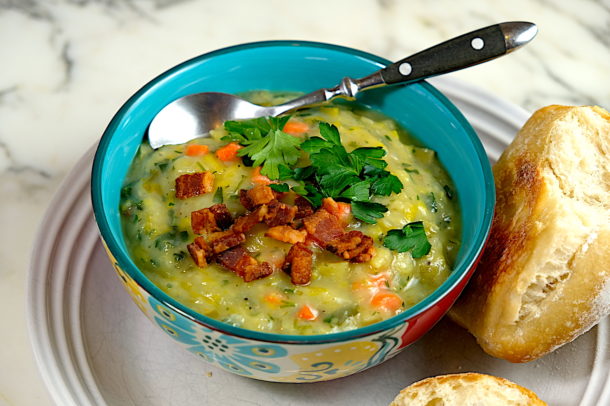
[[326, 220]]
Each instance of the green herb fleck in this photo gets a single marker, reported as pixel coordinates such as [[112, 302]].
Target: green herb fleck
[[218, 196], [430, 200], [409, 169], [285, 304], [162, 165]]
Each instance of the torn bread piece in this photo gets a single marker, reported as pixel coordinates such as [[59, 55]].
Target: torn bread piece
[[544, 277], [467, 389]]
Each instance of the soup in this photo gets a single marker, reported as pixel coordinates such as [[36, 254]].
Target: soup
[[327, 220]]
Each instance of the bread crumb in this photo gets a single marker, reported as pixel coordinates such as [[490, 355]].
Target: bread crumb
[[209, 374]]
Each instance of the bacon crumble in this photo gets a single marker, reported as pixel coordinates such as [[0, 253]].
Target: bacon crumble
[[323, 227], [279, 214], [223, 240], [238, 260], [211, 219], [194, 184], [286, 234], [353, 246], [298, 264]]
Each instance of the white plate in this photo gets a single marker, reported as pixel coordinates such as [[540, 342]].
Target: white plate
[[94, 347]]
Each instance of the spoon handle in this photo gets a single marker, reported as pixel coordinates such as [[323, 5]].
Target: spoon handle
[[461, 52]]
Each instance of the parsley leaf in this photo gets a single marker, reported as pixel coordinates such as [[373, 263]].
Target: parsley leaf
[[357, 191], [368, 212], [384, 186], [265, 144], [279, 187], [412, 237], [330, 133]]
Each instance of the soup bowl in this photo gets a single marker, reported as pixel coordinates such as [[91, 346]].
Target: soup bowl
[[294, 66]]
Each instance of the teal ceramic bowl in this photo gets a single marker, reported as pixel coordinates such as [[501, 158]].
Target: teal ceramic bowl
[[294, 66]]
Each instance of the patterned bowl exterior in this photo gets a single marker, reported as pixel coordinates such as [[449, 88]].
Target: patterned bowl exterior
[[283, 362]]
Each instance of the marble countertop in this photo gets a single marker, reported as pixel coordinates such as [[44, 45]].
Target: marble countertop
[[68, 65]]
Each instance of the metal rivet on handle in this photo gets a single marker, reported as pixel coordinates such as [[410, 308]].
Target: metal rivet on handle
[[477, 43], [405, 69]]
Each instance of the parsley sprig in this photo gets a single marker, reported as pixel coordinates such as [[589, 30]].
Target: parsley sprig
[[354, 176], [265, 143], [412, 237]]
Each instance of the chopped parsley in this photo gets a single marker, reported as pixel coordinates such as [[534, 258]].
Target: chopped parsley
[[412, 237], [354, 176], [218, 196]]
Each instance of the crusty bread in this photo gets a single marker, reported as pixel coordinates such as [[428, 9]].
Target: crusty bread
[[469, 389], [544, 277]]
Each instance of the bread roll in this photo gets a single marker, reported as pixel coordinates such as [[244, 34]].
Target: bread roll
[[544, 277], [469, 389]]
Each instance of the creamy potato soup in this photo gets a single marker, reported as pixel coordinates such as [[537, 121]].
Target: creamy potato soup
[[327, 220]]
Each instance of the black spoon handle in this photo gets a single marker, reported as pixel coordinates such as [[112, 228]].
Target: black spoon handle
[[461, 52]]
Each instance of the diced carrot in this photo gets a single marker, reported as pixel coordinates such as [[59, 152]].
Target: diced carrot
[[295, 128], [228, 152], [307, 313], [273, 298], [387, 300], [258, 178], [196, 150], [338, 209]]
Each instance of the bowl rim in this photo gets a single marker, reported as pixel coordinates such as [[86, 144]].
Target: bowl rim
[[127, 265]]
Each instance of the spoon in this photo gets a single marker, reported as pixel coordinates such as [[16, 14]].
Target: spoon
[[195, 115]]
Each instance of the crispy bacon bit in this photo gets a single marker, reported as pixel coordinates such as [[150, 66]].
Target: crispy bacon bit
[[200, 251], [279, 213], [245, 200], [353, 246], [222, 215], [338, 209], [238, 260], [224, 240], [211, 219], [304, 208], [245, 223], [287, 234], [298, 264], [260, 194], [203, 221], [323, 227], [198, 255], [194, 184]]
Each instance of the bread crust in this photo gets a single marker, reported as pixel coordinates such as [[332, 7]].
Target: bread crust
[[544, 277], [466, 389]]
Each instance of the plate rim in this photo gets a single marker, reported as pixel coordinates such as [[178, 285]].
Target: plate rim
[[41, 339]]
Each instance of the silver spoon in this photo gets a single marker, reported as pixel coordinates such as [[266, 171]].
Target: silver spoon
[[195, 115]]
